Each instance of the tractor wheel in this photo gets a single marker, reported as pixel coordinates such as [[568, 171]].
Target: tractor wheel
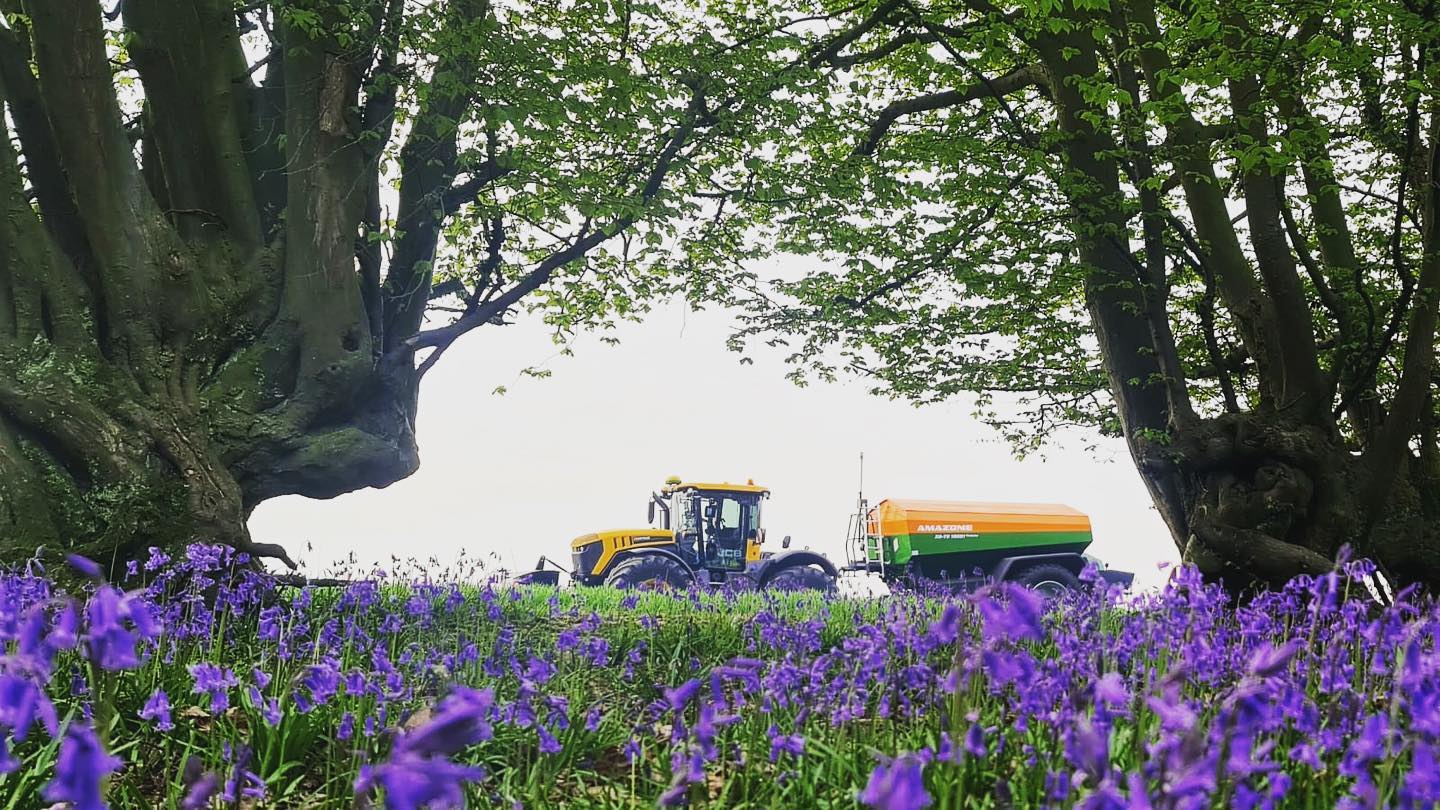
[[800, 578], [650, 572], [1050, 580]]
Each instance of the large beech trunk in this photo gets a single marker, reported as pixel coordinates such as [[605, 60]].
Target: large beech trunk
[[184, 336], [1266, 500]]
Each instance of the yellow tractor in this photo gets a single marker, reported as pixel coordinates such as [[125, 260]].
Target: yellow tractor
[[708, 534]]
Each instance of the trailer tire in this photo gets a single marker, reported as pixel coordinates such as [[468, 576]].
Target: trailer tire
[[651, 572], [800, 578], [1049, 579]]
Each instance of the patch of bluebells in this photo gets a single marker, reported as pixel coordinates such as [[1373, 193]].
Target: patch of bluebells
[[1177, 699]]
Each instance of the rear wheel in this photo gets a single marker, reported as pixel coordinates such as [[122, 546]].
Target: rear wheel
[[651, 572], [1050, 580], [800, 578]]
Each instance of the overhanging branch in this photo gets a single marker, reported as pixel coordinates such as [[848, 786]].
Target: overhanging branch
[[37, 143], [584, 242]]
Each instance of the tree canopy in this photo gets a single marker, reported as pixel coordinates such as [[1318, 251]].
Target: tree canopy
[[1207, 225]]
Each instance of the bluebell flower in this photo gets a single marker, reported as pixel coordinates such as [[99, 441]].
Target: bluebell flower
[[792, 744], [681, 695], [85, 566], [1270, 660], [548, 743], [157, 710], [216, 682], [22, 703], [461, 720], [411, 782], [898, 786], [1016, 618], [79, 770]]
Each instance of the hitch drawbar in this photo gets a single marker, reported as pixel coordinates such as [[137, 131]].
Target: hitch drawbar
[[541, 575]]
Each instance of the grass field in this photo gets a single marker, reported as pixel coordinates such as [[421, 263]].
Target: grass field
[[207, 685]]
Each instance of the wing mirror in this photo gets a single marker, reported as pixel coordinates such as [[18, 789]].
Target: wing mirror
[[786, 542], [651, 512]]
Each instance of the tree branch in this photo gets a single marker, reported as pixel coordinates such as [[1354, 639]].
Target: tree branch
[[1206, 312], [75, 87], [583, 243], [1383, 458], [847, 38], [428, 165], [479, 178], [882, 51], [1313, 269], [37, 143], [1017, 79], [190, 60], [1301, 381], [41, 293], [1254, 312]]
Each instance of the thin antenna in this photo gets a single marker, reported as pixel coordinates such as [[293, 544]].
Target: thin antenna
[[861, 496]]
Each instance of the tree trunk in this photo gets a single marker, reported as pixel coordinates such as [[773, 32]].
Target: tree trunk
[[172, 350], [1252, 498]]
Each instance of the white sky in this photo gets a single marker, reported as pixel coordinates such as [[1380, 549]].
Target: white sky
[[521, 474]]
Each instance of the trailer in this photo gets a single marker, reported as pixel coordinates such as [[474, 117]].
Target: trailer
[[964, 544]]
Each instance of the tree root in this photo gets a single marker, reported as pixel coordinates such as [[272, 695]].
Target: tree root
[[272, 551], [1257, 554]]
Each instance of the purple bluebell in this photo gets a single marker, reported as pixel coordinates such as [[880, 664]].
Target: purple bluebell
[[411, 782], [85, 566], [157, 710], [900, 785], [79, 770]]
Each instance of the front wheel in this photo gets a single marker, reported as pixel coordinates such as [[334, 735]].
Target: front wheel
[[800, 578], [1050, 580], [650, 572]]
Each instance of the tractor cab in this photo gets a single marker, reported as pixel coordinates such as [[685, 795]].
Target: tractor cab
[[716, 526], [706, 533]]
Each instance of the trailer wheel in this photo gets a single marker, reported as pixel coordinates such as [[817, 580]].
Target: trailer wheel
[[651, 572], [1050, 580], [800, 578]]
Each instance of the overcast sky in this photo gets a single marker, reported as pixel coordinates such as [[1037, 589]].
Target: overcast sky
[[521, 474]]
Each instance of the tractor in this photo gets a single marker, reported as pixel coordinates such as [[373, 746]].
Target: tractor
[[711, 534], [708, 534]]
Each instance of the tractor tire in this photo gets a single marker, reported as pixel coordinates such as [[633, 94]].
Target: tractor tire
[[1050, 580], [649, 572], [800, 578]]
